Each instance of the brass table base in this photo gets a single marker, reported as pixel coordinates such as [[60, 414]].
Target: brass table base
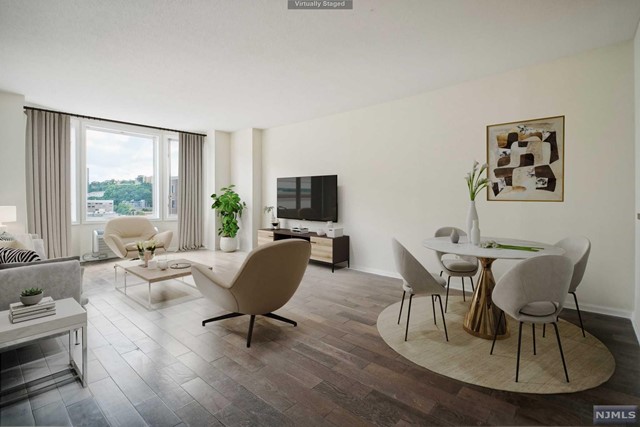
[[483, 315]]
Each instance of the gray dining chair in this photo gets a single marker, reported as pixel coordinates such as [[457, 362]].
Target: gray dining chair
[[417, 280], [533, 291], [577, 249], [461, 266]]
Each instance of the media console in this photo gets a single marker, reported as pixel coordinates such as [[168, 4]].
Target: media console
[[328, 250]]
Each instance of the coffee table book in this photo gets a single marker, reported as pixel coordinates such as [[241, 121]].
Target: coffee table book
[[19, 312]]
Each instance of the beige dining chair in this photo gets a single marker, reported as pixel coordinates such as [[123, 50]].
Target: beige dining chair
[[460, 266], [533, 291], [417, 280], [265, 282]]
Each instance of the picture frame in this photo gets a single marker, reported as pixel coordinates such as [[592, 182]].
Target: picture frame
[[525, 160]]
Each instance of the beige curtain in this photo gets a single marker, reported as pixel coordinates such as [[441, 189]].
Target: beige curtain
[[190, 221], [48, 150]]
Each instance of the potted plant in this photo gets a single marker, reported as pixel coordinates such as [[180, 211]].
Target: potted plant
[[31, 296], [229, 207], [146, 250], [273, 220]]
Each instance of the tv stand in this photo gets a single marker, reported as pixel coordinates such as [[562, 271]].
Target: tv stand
[[324, 249]]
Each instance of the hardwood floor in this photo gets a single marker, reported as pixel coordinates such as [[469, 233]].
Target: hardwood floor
[[162, 368]]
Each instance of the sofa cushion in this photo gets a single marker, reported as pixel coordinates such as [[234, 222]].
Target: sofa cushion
[[62, 279], [46, 261], [13, 255]]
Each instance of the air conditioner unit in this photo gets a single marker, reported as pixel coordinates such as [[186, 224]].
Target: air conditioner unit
[[99, 249]]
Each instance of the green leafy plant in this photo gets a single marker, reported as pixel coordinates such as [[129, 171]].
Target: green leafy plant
[[148, 245], [229, 207], [475, 181], [31, 292], [268, 209]]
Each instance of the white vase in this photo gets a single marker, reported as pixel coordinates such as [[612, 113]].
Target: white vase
[[475, 233], [228, 244], [472, 215]]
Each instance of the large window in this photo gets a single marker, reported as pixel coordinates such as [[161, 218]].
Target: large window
[[120, 174], [122, 170]]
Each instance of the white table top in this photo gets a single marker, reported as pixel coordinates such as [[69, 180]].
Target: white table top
[[68, 313], [443, 244]]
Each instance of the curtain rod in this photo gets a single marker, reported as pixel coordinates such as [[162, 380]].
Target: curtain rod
[[112, 121]]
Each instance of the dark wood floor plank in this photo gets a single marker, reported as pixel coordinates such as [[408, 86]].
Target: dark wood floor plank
[[333, 369], [377, 414]]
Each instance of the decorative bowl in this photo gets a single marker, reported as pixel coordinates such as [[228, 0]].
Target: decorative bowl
[[31, 299], [320, 232]]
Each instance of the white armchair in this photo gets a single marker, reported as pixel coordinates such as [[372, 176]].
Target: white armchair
[[121, 235]]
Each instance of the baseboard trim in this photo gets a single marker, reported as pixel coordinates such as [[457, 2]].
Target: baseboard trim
[[456, 284], [598, 309], [375, 271]]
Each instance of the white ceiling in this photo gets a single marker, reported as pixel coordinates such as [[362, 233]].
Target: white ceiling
[[231, 64]]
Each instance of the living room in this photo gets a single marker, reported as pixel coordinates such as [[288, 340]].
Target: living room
[[395, 98]]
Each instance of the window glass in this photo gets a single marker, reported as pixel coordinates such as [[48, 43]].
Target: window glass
[[120, 171]]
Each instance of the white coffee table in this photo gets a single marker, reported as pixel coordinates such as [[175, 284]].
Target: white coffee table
[[151, 275], [69, 317]]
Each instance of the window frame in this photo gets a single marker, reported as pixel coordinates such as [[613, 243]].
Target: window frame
[[161, 167], [168, 137]]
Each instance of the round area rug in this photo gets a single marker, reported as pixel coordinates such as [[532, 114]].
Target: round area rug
[[466, 358]]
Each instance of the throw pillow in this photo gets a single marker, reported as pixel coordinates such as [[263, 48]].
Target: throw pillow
[[9, 255]]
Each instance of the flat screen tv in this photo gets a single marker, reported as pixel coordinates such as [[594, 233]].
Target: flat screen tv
[[311, 198]]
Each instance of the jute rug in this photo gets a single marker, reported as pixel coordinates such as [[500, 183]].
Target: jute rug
[[466, 358]]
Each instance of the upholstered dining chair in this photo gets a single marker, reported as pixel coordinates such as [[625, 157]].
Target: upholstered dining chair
[[577, 248], [417, 280], [122, 233], [267, 279], [461, 266], [533, 291]]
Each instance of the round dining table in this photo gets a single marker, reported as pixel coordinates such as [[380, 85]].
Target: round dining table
[[483, 315]]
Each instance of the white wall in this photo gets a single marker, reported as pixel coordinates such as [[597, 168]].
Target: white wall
[[246, 175], [216, 175], [13, 181], [636, 75], [401, 165]]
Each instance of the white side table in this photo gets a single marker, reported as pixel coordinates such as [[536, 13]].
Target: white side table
[[69, 317]]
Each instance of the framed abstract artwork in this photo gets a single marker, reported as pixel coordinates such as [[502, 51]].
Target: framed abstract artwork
[[525, 160]]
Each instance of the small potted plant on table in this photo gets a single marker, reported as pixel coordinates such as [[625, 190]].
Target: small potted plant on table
[[31, 296]]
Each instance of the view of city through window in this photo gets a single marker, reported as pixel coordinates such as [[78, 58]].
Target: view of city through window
[[120, 174]]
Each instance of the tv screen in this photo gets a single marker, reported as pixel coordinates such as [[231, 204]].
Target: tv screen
[[311, 198]]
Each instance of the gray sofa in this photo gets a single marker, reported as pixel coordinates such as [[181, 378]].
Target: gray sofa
[[60, 278]]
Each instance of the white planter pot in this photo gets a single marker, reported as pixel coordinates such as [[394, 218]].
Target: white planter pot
[[228, 244]]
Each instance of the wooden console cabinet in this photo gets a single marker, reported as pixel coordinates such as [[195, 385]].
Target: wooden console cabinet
[[328, 250]]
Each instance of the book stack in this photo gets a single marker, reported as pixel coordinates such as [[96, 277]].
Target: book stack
[[19, 312]]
